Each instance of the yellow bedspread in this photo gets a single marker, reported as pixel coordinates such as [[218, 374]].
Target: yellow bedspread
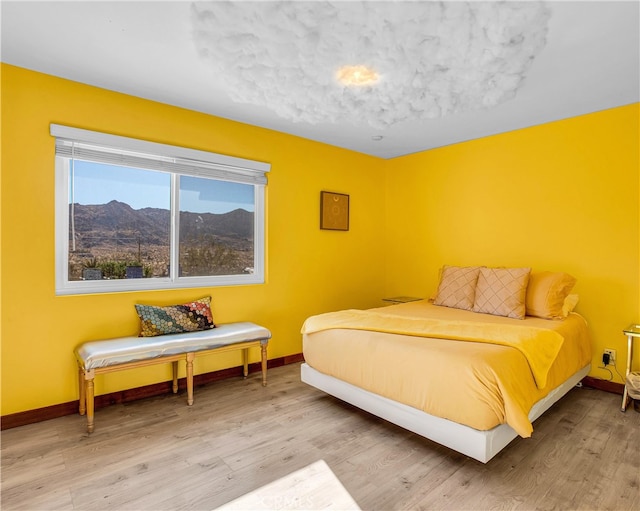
[[487, 371], [539, 346]]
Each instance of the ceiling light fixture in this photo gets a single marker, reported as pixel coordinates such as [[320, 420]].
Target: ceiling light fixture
[[437, 58], [357, 76]]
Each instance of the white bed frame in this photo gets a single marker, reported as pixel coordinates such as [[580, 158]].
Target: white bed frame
[[480, 445]]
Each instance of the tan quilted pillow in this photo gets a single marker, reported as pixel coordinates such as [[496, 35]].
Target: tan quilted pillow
[[502, 291], [546, 294], [457, 287]]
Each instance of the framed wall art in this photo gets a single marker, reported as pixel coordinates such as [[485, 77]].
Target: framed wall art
[[334, 211]]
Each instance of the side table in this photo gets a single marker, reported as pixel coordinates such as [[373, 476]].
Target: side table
[[401, 299], [632, 332]]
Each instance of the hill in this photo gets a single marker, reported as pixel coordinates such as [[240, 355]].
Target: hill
[[113, 235], [118, 223]]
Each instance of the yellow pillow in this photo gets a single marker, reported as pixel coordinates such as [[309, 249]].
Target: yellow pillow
[[502, 291], [457, 287], [570, 303], [547, 292]]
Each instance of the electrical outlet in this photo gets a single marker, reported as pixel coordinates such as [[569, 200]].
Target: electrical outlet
[[612, 355]]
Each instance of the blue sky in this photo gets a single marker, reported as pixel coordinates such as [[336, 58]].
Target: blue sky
[[97, 183]]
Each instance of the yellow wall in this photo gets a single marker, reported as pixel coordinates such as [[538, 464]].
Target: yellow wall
[[561, 196], [308, 270]]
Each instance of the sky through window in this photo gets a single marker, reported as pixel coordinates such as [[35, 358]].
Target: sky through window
[[99, 183]]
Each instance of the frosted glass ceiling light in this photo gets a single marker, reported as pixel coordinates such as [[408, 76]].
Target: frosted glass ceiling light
[[437, 58], [357, 76]]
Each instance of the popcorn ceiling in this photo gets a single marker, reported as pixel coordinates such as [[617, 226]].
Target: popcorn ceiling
[[435, 59]]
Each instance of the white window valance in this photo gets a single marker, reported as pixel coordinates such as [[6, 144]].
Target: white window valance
[[118, 150]]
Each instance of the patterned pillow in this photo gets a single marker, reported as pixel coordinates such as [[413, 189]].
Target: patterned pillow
[[502, 291], [175, 319], [457, 287]]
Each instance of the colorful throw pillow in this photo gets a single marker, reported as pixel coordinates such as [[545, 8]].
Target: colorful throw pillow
[[175, 319], [547, 292], [457, 287], [502, 292]]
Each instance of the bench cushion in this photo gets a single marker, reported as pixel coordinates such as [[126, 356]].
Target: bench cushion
[[110, 352]]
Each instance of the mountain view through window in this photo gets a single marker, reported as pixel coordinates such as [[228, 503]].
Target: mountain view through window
[[120, 224]]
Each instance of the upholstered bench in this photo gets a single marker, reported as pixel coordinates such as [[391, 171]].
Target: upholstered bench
[[109, 355]]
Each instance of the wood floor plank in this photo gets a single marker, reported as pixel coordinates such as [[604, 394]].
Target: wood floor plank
[[56, 500], [159, 454]]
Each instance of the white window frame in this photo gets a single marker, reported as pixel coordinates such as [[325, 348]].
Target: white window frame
[[176, 160]]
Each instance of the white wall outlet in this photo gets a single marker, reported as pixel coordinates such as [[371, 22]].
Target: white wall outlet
[[612, 355]]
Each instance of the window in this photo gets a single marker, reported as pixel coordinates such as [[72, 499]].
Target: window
[[134, 215]]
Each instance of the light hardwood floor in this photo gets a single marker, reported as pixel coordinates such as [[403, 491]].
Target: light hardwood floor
[[160, 454]]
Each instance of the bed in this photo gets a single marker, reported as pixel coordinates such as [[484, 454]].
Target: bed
[[470, 381]]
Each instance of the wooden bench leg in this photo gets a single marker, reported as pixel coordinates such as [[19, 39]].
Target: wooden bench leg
[[190, 357], [263, 349], [245, 362], [82, 391], [90, 403], [175, 376]]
